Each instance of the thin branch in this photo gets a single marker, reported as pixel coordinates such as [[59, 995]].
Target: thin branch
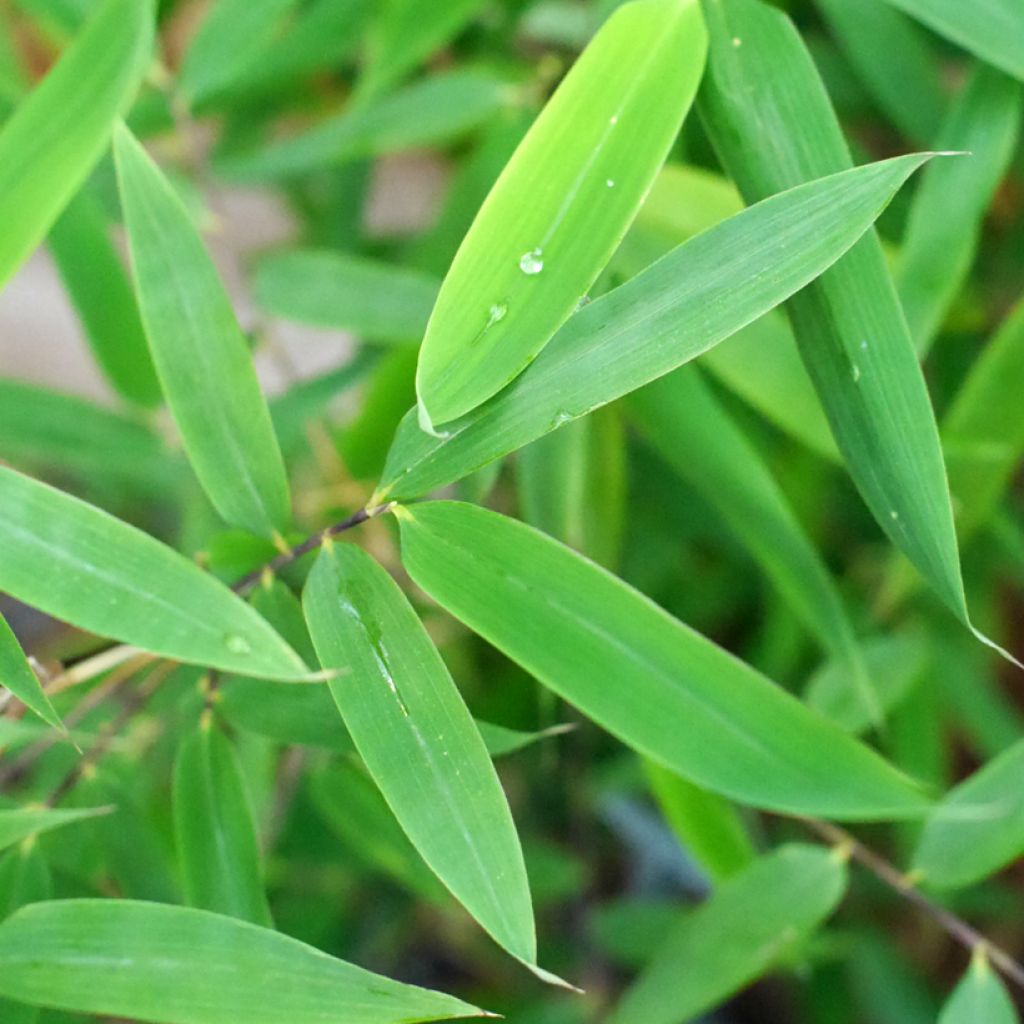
[[891, 876]]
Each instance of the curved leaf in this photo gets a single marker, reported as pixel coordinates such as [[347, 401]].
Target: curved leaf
[[657, 685], [176, 965], [562, 204]]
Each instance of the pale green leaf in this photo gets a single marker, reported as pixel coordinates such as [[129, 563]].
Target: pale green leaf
[[647, 678], [419, 742], [980, 998], [978, 827], [20, 823], [746, 927], [214, 827], [116, 581], [176, 965], [16, 675], [201, 355], [60, 130], [673, 312], [562, 204]]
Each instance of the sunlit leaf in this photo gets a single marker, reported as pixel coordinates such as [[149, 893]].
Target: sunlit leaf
[[562, 204]]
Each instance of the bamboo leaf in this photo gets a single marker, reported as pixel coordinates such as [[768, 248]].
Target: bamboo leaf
[[748, 924], [945, 220], [991, 29], [24, 878], [114, 580], [99, 288], [377, 301], [562, 204], [657, 685], [980, 996], [419, 742], [673, 312], [216, 833], [978, 827], [17, 676], [59, 131], [22, 822], [768, 114], [176, 965], [201, 356]]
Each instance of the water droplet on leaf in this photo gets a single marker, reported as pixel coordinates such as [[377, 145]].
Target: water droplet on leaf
[[237, 644], [497, 313], [531, 262]]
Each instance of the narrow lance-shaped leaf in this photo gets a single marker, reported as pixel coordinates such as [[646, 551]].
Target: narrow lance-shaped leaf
[[978, 827], [60, 130], [24, 878], [991, 29], [216, 834], [20, 823], [201, 355], [684, 421], [17, 676], [99, 287], [419, 742], [81, 565], [662, 688], [176, 965], [748, 925], [769, 116], [671, 313], [980, 996], [953, 195], [562, 204]]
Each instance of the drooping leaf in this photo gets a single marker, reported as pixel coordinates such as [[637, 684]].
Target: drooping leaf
[[673, 312], [99, 288], [216, 834], [20, 823], [116, 581], [438, 108], [377, 301], [978, 827], [201, 355], [657, 685], [952, 198], [748, 924], [991, 29], [419, 742], [17, 676], [59, 131], [769, 116], [176, 965], [980, 996], [562, 204]]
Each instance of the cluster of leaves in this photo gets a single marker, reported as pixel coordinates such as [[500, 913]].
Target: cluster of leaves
[[248, 757]]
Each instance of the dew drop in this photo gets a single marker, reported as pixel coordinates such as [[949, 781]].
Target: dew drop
[[894, 514], [864, 346], [736, 41], [856, 374], [497, 313], [584, 301], [237, 644], [610, 183], [614, 119], [531, 262], [561, 419]]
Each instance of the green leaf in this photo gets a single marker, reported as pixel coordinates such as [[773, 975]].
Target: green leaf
[[378, 301], [419, 742], [647, 678], [435, 109], [745, 928], [20, 823], [562, 204], [57, 134], [953, 197], [176, 965], [991, 29], [81, 565], [216, 833], [24, 878], [980, 996], [768, 115], [673, 312], [99, 288], [201, 355], [17, 676], [978, 827], [983, 431], [230, 37], [686, 424]]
